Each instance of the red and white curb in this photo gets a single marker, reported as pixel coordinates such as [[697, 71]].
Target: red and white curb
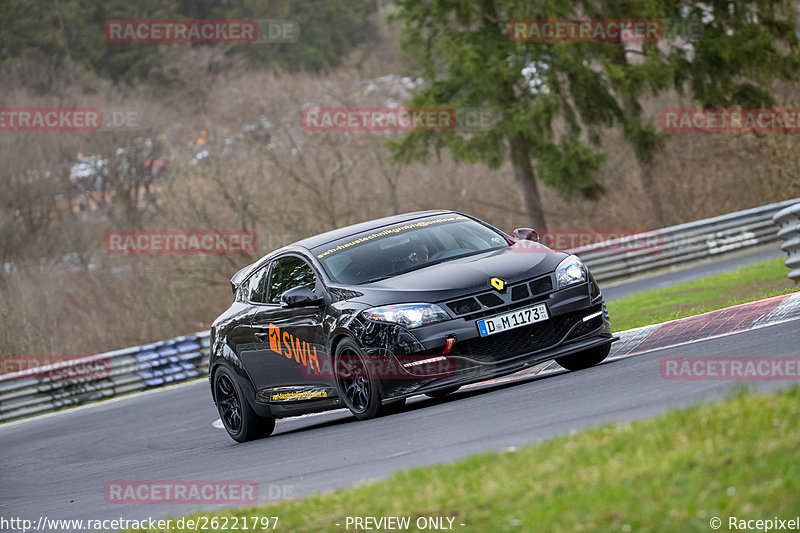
[[735, 319], [743, 317]]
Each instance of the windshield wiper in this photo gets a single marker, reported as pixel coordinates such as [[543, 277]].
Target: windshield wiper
[[379, 278]]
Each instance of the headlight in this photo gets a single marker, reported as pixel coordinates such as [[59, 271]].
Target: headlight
[[569, 272], [408, 315]]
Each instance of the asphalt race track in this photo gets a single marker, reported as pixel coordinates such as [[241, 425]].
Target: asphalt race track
[[57, 465]]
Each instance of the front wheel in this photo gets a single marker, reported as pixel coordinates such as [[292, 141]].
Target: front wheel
[[357, 387], [239, 419], [584, 359]]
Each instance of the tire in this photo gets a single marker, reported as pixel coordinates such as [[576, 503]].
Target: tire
[[357, 387], [441, 393], [238, 418], [584, 359]]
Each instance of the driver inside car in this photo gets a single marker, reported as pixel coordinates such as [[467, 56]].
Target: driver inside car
[[417, 254]]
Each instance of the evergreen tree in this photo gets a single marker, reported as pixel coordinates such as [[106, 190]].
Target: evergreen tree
[[466, 55], [67, 32]]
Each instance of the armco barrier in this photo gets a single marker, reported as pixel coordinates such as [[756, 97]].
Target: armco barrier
[[133, 369], [788, 220], [683, 243], [175, 360]]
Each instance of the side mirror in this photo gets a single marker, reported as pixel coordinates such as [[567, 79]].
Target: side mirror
[[526, 234], [300, 296]]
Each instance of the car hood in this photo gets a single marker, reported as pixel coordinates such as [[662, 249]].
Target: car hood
[[463, 276]]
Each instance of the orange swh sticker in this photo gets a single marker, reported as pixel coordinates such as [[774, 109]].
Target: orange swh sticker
[[287, 344]]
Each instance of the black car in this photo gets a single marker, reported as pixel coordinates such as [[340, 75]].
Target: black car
[[366, 316]]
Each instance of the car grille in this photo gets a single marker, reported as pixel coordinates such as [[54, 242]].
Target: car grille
[[492, 302], [512, 343], [501, 347]]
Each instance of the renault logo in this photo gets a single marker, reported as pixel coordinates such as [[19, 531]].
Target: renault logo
[[498, 284]]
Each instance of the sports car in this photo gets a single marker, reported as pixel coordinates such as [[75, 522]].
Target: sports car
[[366, 316]]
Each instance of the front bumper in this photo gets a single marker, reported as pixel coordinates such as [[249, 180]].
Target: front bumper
[[578, 322]]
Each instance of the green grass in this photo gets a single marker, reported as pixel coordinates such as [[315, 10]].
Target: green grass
[[674, 472], [753, 282]]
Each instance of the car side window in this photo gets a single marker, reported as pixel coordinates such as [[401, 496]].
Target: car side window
[[289, 272], [257, 284]]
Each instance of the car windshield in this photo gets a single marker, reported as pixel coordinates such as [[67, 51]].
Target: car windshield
[[386, 252]]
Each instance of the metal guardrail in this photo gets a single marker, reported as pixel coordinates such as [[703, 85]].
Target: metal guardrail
[[684, 243], [788, 220], [70, 383], [138, 368]]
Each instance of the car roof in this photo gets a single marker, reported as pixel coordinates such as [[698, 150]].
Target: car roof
[[312, 242], [334, 235]]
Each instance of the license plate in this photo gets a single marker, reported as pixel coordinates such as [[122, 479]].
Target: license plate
[[515, 319]]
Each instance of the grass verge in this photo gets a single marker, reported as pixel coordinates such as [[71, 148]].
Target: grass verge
[[671, 473], [753, 282]]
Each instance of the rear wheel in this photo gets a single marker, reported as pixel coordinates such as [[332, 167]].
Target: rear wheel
[[355, 382], [441, 393], [584, 359], [239, 419]]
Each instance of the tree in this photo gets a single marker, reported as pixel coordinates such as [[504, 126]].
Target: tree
[[553, 100], [329, 30], [70, 32]]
